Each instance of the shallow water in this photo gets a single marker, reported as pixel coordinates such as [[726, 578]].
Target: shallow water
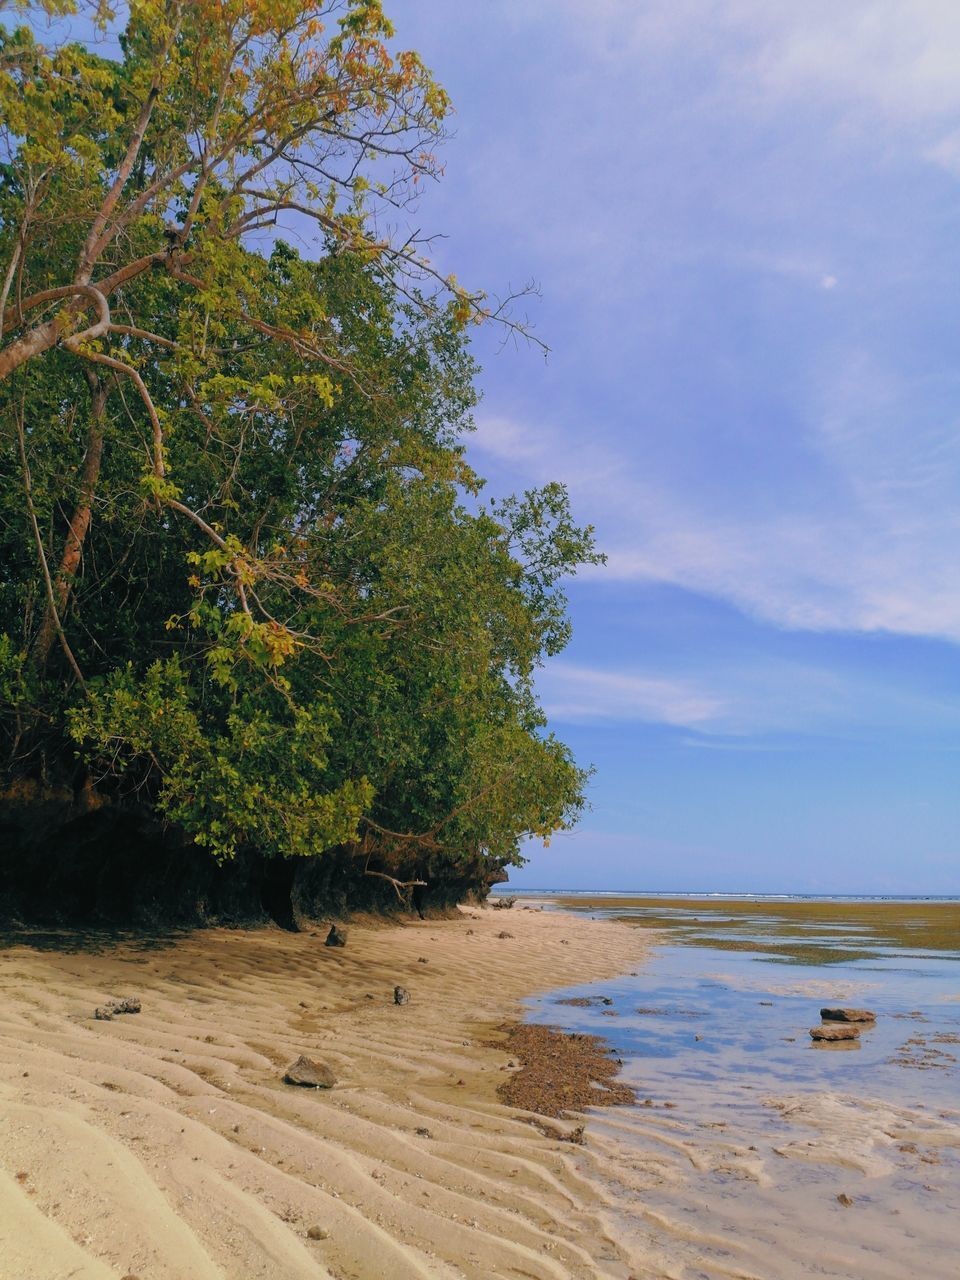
[[747, 1132]]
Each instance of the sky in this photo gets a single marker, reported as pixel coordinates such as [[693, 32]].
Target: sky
[[743, 217]]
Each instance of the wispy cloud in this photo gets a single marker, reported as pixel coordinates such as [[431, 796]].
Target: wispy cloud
[[881, 554], [756, 702], [577, 693]]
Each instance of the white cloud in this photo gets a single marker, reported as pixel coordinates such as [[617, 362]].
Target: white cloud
[[577, 693], [882, 555], [729, 704]]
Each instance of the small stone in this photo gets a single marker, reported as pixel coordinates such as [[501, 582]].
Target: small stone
[[768, 1003], [106, 1012], [844, 1199], [838, 1031], [848, 1015], [401, 995], [22, 1176], [336, 937], [317, 1233], [423, 1133], [422, 960], [309, 1074], [503, 934], [605, 1000]]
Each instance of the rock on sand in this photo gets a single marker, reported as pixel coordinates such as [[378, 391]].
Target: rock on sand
[[310, 1074]]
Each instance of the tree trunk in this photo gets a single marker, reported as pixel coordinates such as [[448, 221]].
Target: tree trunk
[[79, 521]]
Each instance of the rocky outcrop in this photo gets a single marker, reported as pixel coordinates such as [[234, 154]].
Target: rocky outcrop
[[69, 858]]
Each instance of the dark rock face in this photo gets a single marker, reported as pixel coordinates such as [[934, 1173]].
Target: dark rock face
[[336, 937], [836, 1031], [309, 1074], [401, 995], [848, 1015], [66, 861]]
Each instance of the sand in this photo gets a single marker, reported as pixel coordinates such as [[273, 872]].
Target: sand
[[164, 1145]]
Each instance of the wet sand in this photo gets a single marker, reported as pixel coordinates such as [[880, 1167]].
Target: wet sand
[[164, 1145]]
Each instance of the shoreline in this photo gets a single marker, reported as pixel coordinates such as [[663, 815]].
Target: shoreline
[[165, 1144]]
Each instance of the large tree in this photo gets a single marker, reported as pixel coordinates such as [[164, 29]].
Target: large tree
[[247, 575]]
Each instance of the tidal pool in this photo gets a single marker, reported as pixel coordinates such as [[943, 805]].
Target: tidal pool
[[752, 1151]]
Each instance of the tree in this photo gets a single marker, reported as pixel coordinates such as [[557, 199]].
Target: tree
[[254, 580]]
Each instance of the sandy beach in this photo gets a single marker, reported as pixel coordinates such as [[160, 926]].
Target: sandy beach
[[165, 1145]]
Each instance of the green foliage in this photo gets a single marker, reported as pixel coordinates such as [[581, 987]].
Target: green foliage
[[254, 774], [287, 620]]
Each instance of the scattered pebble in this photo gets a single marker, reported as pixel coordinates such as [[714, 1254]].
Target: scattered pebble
[[844, 1199], [401, 995], [560, 1072], [336, 937], [317, 1233]]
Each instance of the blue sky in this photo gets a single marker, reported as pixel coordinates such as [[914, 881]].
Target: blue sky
[[744, 218]]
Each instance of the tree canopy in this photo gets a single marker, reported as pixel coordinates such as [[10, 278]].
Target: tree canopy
[[247, 575]]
